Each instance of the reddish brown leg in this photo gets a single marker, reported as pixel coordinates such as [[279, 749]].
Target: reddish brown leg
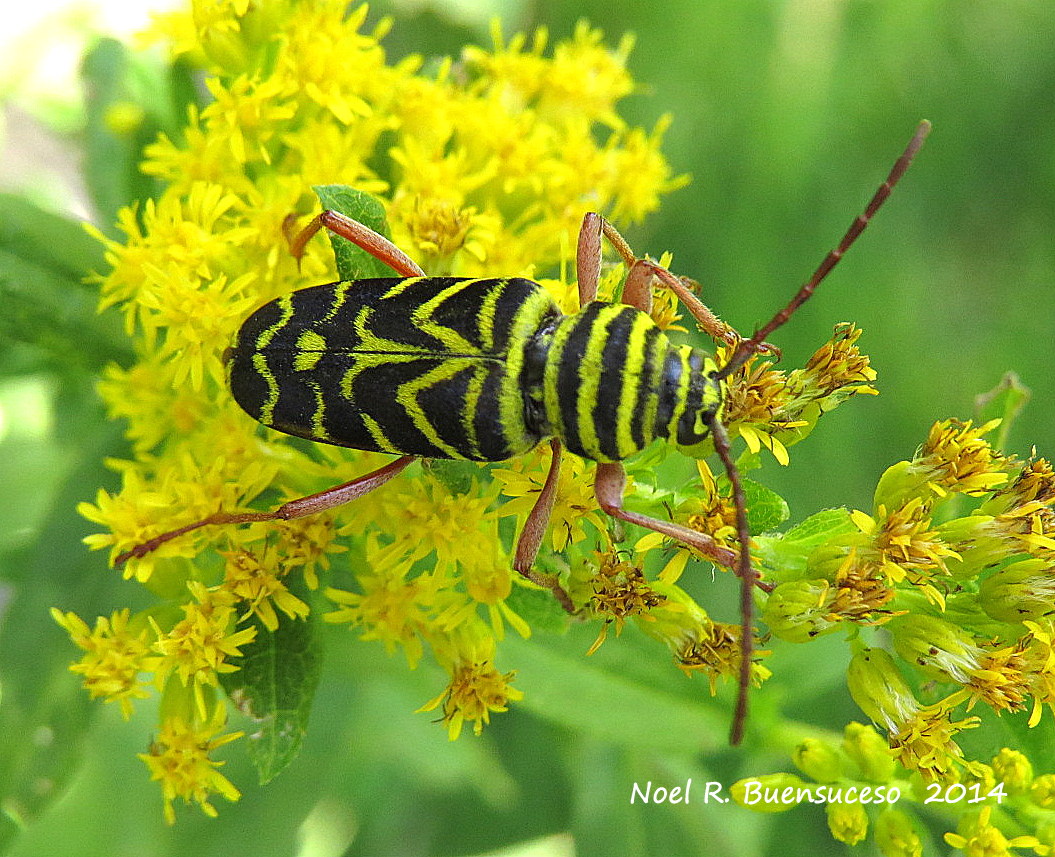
[[637, 291], [748, 579], [608, 488], [299, 508], [530, 539], [362, 236]]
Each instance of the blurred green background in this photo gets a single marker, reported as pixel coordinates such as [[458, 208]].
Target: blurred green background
[[787, 115]]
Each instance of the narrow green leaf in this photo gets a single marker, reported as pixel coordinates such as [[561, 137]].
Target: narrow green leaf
[[354, 263], [1004, 402], [44, 259], [570, 689], [111, 159], [45, 714], [275, 687], [47, 240]]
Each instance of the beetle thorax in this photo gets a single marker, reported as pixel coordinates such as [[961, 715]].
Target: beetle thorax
[[608, 382]]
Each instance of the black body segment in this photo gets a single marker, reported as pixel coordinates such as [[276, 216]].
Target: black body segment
[[426, 366], [446, 367]]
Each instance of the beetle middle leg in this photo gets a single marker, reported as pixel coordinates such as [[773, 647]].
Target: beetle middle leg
[[534, 530], [610, 479]]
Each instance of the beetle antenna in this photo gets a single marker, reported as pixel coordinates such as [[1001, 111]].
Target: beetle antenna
[[750, 346]]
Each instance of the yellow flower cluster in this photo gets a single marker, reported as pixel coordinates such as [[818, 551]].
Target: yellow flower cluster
[[956, 560], [486, 163]]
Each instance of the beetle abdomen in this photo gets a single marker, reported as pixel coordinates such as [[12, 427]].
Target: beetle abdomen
[[424, 366]]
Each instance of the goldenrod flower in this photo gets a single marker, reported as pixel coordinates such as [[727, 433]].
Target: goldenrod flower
[[179, 758], [977, 836], [476, 688], [1040, 648], [114, 656], [901, 544], [920, 736], [522, 479], [200, 647], [620, 591], [258, 585], [956, 458]]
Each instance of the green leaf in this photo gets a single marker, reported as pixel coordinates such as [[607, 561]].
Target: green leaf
[[44, 259], [354, 263], [821, 527], [45, 715], [1004, 402], [130, 98], [576, 692], [458, 477], [788, 553], [275, 687], [766, 509], [111, 159]]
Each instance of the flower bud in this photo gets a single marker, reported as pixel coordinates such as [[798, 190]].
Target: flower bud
[[797, 611], [1023, 590], [818, 760], [899, 484], [896, 835], [1014, 770], [869, 751], [943, 650], [1042, 791], [980, 541], [879, 689], [848, 822], [1046, 836], [770, 793]]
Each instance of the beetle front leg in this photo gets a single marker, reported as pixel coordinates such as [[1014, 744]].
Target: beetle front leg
[[637, 291], [530, 539]]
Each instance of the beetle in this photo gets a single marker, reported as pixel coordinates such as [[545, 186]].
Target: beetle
[[486, 369]]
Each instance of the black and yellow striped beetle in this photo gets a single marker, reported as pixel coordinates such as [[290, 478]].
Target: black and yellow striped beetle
[[486, 369]]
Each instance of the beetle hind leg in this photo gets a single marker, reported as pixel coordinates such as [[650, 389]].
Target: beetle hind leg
[[331, 498]]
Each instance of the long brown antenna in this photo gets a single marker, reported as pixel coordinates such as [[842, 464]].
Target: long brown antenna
[[749, 346]]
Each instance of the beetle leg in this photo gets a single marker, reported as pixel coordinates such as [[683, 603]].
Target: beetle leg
[[530, 539], [299, 508], [362, 236], [637, 291], [608, 486], [609, 482]]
